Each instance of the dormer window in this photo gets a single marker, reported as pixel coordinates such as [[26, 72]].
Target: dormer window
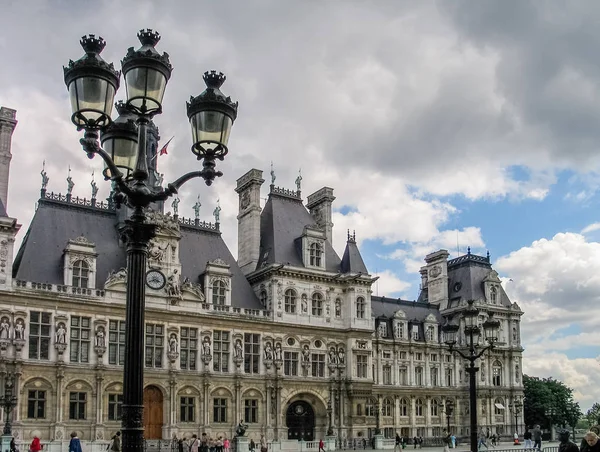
[[218, 292], [360, 308], [415, 332], [81, 273], [317, 304], [262, 297], [316, 252], [430, 333]]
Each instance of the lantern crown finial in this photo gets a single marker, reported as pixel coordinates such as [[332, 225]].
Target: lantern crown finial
[[148, 37], [214, 79], [92, 44]]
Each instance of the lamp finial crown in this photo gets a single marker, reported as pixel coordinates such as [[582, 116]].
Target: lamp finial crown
[[92, 44], [214, 79], [148, 37], [121, 107]]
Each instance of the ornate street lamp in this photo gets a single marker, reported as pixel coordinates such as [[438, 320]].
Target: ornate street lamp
[[92, 84], [472, 353], [9, 401], [515, 407], [448, 409]]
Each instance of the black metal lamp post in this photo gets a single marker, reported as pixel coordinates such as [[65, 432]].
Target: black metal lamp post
[[9, 401], [377, 417], [472, 353], [550, 414], [329, 412], [449, 409], [92, 84], [515, 407]]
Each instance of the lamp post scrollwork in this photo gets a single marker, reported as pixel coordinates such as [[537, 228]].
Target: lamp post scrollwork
[[9, 401]]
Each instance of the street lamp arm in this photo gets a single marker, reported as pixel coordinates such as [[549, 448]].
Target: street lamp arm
[[483, 350], [173, 187], [457, 351]]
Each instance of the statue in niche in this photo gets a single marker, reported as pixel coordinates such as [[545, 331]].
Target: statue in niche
[[19, 330], [304, 303], [332, 356], [239, 350], [278, 354], [517, 373], [156, 252], [341, 355], [206, 346], [174, 285], [338, 307], [305, 354], [61, 334], [100, 338], [4, 328], [515, 334], [173, 343], [268, 351]]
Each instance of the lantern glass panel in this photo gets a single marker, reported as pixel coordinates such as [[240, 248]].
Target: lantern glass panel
[[145, 88], [211, 128], [91, 100], [124, 154]]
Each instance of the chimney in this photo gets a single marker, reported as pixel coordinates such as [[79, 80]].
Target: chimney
[[248, 189], [319, 205], [437, 278], [7, 126]]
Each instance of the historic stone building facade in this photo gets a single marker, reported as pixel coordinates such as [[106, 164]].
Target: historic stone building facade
[[288, 338]]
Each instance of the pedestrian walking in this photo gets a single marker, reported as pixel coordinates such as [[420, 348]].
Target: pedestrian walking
[[321, 445], [74, 444], [527, 438], [537, 437]]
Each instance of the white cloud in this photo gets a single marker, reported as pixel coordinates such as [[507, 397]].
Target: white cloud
[[389, 284], [590, 228]]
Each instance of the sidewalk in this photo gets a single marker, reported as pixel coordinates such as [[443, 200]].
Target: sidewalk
[[462, 447]]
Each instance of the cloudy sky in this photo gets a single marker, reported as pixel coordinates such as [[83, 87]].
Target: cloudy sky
[[438, 124]]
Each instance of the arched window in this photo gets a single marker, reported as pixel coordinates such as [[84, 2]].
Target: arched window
[[316, 252], [499, 408], [493, 294], [81, 274], [388, 407], [403, 407], [497, 373], [435, 408], [263, 298], [317, 304], [290, 301], [360, 308], [419, 407], [370, 407], [218, 292]]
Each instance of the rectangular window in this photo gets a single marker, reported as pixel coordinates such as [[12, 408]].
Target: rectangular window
[[220, 411], [402, 355], [221, 344], [36, 405], [416, 333], [115, 407], [387, 355], [39, 335], [187, 409], [80, 339], [403, 376], [116, 342], [290, 363], [77, 403], [448, 358], [433, 373], [448, 377], [155, 340], [188, 348], [419, 376], [433, 358], [361, 366], [389, 432], [387, 375], [250, 411], [251, 353], [318, 365], [437, 431], [418, 356]]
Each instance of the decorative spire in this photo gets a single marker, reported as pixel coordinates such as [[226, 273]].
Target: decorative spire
[[351, 237], [45, 178], [94, 187], [488, 255], [197, 208], [468, 250], [299, 180], [70, 183], [217, 212]]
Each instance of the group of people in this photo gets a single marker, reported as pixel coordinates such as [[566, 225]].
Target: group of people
[[204, 444], [403, 441]]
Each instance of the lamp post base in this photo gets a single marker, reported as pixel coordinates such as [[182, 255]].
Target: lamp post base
[[6, 439]]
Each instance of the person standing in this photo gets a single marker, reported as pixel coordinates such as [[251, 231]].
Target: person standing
[[398, 442], [590, 443], [527, 438], [13, 445], [226, 444], [74, 444], [321, 445], [194, 443], [537, 437], [35, 446], [115, 444], [447, 442]]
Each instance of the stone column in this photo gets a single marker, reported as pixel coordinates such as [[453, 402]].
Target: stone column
[[238, 400], [413, 417], [428, 416], [206, 410], [99, 416]]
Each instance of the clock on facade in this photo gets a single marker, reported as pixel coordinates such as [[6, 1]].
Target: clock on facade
[[155, 279]]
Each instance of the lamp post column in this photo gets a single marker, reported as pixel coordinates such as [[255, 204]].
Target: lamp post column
[[473, 403], [138, 235]]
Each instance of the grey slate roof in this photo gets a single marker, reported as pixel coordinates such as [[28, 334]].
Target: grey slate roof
[[387, 307], [40, 258], [352, 261], [282, 222], [2, 210]]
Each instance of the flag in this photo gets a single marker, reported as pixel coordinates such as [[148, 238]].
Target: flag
[[163, 150]]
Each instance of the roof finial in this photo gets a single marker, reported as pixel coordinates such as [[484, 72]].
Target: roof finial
[[348, 235], [299, 180], [94, 187], [354, 236], [197, 209], [468, 250], [488, 255], [217, 212], [70, 183], [45, 178], [272, 174]]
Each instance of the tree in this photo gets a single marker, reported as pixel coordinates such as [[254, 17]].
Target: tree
[[549, 402], [593, 414]]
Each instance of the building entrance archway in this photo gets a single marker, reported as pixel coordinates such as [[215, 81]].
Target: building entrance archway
[[300, 421], [153, 413]]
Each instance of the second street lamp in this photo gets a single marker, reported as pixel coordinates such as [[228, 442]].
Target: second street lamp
[[515, 407], [472, 353], [92, 84], [448, 410]]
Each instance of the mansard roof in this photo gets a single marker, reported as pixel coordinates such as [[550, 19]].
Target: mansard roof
[[2, 210], [56, 221], [415, 311], [282, 221], [352, 261]]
